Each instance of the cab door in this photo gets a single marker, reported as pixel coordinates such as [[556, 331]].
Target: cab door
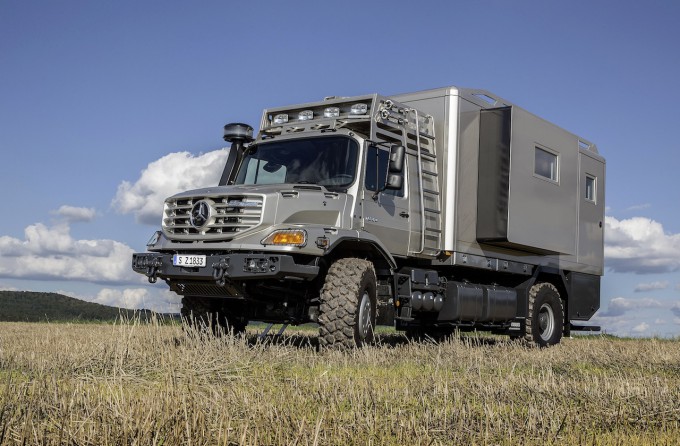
[[385, 213]]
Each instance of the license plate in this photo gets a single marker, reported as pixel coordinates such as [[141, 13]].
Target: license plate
[[188, 260]]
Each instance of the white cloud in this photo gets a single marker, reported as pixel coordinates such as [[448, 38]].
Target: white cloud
[[612, 325], [641, 328], [651, 286], [50, 253], [618, 306], [167, 176], [640, 245], [635, 317], [76, 214], [163, 301]]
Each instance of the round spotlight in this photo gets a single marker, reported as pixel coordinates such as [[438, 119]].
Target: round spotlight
[[238, 132]]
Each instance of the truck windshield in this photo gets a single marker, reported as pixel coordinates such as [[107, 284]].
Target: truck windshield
[[328, 161]]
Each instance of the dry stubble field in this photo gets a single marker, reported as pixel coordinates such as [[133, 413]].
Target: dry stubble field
[[146, 384]]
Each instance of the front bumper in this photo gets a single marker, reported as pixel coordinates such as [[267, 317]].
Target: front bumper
[[223, 268]]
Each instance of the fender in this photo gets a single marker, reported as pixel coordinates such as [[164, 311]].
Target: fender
[[347, 243]]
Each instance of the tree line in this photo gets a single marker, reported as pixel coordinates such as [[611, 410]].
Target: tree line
[[30, 306]]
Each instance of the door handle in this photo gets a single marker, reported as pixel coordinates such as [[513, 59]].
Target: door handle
[[404, 214]]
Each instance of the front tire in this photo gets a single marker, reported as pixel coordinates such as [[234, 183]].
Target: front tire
[[546, 315], [348, 304]]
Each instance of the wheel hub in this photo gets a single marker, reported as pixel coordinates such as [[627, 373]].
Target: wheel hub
[[364, 315], [546, 322]]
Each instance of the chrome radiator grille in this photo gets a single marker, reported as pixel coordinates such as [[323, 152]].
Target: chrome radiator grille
[[211, 218]]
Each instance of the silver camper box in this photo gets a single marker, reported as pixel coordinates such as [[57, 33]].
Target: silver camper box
[[515, 188]]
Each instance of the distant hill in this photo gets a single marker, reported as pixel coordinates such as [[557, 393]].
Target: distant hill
[[28, 306]]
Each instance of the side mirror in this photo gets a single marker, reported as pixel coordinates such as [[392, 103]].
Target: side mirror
[[394, 181], [397, 159]]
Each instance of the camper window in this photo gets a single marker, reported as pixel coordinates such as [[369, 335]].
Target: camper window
[[590, 188], [545, 164]]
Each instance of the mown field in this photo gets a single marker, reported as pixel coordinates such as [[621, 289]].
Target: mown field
[[155, 384]]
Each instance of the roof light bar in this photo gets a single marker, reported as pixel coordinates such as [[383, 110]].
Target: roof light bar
[[281, 118], [306, 115], [359, 109], [331, 112]]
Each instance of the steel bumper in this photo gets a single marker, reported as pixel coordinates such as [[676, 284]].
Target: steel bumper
[[223, 268]]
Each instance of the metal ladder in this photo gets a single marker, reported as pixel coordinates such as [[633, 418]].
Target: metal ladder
[[416, 132]]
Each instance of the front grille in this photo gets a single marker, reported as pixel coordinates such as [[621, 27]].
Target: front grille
[[228, 216]]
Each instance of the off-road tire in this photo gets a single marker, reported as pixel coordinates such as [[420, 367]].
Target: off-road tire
[[348, 293], [545, 321], [203, 313]]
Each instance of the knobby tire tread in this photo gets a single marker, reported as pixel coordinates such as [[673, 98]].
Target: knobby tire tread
[[533, 293], [340, 302]]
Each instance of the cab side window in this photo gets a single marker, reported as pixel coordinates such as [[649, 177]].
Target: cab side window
[[376, 169]]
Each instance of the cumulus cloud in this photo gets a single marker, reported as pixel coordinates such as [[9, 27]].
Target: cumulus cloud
[[618, 306], [640, 245], [652, 286], [50, 253], [76, 214], [641, 328], [167, 176], [162, 301]]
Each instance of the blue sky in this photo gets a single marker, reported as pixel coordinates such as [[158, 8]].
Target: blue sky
[[106, 107]]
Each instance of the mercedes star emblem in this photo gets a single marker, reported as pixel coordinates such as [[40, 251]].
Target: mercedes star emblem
[[200, 214]]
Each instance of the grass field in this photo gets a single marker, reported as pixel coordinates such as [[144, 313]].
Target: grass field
[[145, 384]]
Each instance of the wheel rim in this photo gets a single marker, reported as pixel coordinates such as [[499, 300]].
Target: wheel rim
[[546, 322], [364, 315]]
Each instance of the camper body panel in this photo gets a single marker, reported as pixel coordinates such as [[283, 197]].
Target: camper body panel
[[548, 221]]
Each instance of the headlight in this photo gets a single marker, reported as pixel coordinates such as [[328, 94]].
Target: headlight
[[286, 237]]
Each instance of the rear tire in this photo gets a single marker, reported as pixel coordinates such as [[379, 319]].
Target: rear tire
[[348, 305], [546, 315]]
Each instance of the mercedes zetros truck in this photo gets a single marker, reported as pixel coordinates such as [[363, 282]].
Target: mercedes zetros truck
[[440, 210]]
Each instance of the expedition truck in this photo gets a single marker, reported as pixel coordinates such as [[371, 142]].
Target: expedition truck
[[438, 210]]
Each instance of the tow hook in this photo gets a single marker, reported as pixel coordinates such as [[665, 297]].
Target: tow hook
[[152, 269], [219, 271]]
